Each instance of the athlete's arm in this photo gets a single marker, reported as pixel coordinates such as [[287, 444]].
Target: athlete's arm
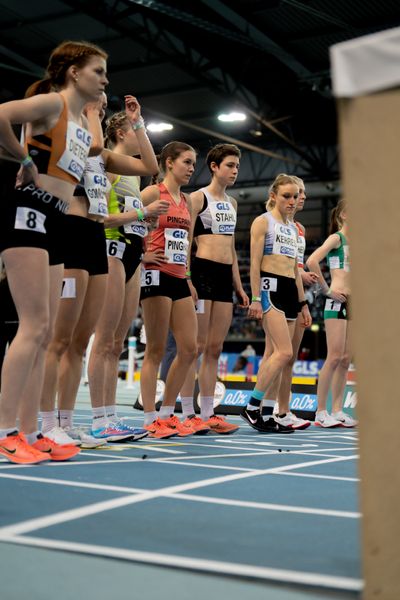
[[257, 235], [305, 312], [331, 243], [193, 206], [43, 107]]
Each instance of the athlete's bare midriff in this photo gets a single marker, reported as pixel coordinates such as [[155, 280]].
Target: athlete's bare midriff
[[340, 281], [215, 247], [79, 206], [279, 265]]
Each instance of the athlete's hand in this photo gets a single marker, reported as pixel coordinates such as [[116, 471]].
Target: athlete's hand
[[157, 208], [336, 295], [255, 310], [309, 278], [27, 175], [193, 291], [305, 313], [243, 299], [156, 257], [132, 109]]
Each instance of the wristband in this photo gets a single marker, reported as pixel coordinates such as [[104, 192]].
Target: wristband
[[140, 214], [256, 298], [139, 124], [27, 161], [188, 273], [303, 303]]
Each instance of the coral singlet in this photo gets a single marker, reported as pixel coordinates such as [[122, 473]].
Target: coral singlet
[[171, 235]]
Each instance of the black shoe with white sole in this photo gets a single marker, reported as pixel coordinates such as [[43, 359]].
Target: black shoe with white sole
[[255, 420]]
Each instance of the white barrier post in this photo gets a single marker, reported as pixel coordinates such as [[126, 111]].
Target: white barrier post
[[131, 362]]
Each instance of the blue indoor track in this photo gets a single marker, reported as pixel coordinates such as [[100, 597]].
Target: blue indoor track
[[260, 516]]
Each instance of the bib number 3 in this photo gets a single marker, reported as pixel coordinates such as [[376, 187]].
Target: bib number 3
[[269, 284]]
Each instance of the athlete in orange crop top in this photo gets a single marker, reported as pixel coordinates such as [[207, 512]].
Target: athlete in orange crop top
[[165, 296], [31, 225]]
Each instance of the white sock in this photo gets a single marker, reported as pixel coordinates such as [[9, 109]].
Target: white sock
[[149, 417], [187, 406], [31, 438], [49, 420], [111, 412], [206, 407], [65, 417], [165, 412], [5, 432], [99, 418]]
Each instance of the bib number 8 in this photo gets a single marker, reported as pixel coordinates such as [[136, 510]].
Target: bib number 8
[[29, 219]]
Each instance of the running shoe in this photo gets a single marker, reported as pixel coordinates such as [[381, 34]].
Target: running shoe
[[55, 451], [198, 426], [290, 420], [255, 420], [324, 419], [136, 433], [16, 449], [174, 423], [84, 439], [157, 429], [345, 419], [217, 424], [59, 436], [113, 432]]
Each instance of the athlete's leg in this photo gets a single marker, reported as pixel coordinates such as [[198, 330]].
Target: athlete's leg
[[336, 343], [219, 324], [340, 376], [287, 371], [107, 324], [68, 313], [71, 362], [30, 401], [203, 328], [156, 316], [29, 281], [183, 325]]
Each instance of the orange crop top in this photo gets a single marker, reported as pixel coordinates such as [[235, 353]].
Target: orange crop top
[[171, 236], [62, 151]]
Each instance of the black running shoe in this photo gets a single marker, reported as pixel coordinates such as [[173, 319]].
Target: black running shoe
[[255, 420]]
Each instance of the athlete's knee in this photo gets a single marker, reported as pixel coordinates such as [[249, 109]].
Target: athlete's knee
[[57, 345], [214, 349], [154, 353], [188, 352], [334, 359], [284, 356], [345, 361]]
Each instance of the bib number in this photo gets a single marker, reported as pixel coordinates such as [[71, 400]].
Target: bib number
[[332, 305], [223, 217], [176, 246], [115, 248], [136, 227], [30, 219], [96, 187], [149, 277], [269, 284], [68, 289]]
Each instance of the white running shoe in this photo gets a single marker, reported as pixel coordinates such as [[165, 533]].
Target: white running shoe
[[324, 419], [345, 419], [290, 420], [81, 437], [58, 435]]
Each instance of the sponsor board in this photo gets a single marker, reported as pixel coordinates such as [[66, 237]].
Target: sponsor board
[[300, 402]]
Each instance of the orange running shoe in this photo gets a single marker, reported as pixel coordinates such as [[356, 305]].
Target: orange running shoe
[[217, 424], [174, 423], [55, 451], [17, 450], [159, 430], [198, 426]]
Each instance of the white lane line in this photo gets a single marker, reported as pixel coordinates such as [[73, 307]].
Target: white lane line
[[197, 564], [203, 465], [190, 497], [325, 512], [76, 463], [71, 483], [91, 509], [350, 479]]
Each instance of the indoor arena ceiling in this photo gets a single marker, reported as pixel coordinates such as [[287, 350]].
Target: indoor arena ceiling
[[189, 61]]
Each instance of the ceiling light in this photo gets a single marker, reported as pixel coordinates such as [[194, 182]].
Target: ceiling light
[[230, 117], [157, 127], [256, 132]]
